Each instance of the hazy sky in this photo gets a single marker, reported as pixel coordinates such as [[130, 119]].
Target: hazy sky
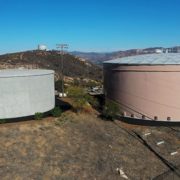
[[88, 25]]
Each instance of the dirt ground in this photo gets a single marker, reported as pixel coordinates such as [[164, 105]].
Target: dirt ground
[[84, 146]]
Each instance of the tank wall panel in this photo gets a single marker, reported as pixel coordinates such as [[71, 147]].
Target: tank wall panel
[[148, 92], [24, 96]]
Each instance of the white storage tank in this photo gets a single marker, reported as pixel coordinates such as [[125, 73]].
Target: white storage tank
[[25, 92]]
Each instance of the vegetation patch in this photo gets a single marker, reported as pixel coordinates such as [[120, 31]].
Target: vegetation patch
[[80, 99], [62, 120], [56, 112], [92, 101], [38, 116], [2, 121], [110, 109]]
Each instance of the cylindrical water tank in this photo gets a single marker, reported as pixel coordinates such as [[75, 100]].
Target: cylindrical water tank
[[145, 86], [25, 92]]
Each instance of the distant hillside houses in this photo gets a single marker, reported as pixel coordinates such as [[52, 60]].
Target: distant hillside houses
[[162, 50], [173, 50]]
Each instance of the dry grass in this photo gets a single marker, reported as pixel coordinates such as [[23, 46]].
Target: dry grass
[[75, 146]]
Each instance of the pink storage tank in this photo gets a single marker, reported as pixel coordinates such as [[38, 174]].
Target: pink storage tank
[[145, 86]]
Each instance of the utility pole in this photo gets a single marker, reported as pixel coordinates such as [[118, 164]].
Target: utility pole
[[61, 68]]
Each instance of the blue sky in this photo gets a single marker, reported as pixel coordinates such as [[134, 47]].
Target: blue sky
[[88, 25]]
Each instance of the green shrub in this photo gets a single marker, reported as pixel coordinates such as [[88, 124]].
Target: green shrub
[[76, 92], [38, 116], [110, 109], [92, 101], [92, 83], [78, 104], [2, 121], [56, 112], [80, 98], [77, 95]]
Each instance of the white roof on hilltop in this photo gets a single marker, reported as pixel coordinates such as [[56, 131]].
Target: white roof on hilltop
[[24, 72], [148, 59]]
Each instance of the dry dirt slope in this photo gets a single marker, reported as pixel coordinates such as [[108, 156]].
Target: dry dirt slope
[[79, 147]]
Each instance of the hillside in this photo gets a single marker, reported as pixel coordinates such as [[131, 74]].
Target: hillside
[[73, 66], [98, 58]]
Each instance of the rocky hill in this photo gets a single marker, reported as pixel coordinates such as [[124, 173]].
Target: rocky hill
[[98, 58], [73, 66]]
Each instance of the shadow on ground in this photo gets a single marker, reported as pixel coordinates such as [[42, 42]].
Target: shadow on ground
[[62, 104], [142, 122]]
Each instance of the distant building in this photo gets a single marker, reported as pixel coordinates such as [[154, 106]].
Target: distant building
[[139, 51], [165, 50], [158, 51], [42, 47], [172, 50], [176, 49]]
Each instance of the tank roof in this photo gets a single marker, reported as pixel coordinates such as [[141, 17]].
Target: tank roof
[[148, 59], [24, 72]]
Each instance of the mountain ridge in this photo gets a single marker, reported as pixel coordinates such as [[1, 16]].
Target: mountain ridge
[[99, 57]]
